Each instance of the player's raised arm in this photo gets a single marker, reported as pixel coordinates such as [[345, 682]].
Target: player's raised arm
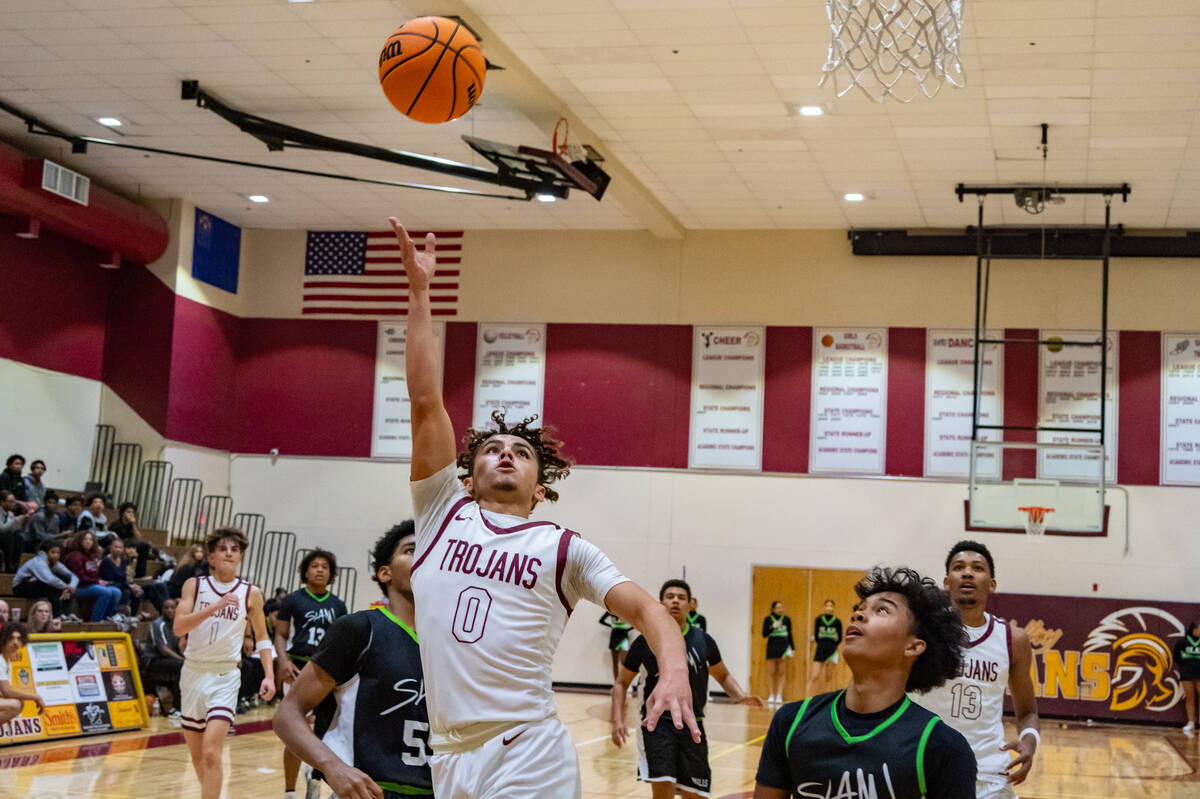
[[433, 435]]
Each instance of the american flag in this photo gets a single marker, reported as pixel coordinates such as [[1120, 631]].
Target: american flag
[[360, 274]]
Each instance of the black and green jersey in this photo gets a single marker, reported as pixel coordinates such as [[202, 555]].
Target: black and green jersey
[[615, 622], [827, 632], [696, 619], [309, 616], [820, 748], [702, 653], [381, 726], [1187, 657]]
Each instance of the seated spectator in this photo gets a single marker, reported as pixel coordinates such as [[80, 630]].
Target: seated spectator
[[13, 636], [41, 618], [93, 517], [68, 520], [126, 528], [252, 673], [11, 478], [12, 532], [114, 568], [189, 566], [83, 559], [43, 525], [35, 489], [3, 612], [44, 577], [164, 659]]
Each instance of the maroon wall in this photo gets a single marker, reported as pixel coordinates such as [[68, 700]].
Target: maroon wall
[[787, 399], [137, 352], [906, 402], [203, 391]]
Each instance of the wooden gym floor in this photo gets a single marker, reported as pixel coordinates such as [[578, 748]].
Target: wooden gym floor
[[1075, 761]]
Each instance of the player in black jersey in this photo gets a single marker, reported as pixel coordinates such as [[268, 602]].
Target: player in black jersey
[[827, 634], [618, 639], [1186, 655], [695, 617], [668, 758], [871, 739], [302, 618], [376, 745]]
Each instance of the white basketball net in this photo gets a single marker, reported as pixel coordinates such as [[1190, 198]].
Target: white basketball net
[[1035, 520], [894, 48]]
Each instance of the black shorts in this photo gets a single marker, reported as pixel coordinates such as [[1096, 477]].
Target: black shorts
[[826, 652], [619, 639], [1189, 674], [776, 647], [670, 755]]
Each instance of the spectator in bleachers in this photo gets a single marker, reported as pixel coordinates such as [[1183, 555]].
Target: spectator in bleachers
[[35, 489], [13, 636], [189, 566], [252, 673], [41, 618], [68, 520], [43, 525], [12, 479], [83, 559], [12, 529], [164, 660], [44, 577], [3, 612], [93, 517], [126, 528], [115, 569]]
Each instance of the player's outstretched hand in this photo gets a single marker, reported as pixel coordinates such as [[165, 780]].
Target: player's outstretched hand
[[418, 266], [1018, 768], [673, 695], [267, 689], [751, 701], [348, 782]]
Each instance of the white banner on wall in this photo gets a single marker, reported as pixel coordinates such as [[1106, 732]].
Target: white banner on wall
[[727, 398], [1180, 450], [1069, 396], [510, 371], [949, 403], [391, 421], [849, 400]]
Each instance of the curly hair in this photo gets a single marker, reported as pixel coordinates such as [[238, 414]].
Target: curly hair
[[551, 465], [385, 548], [329, 557], [935, 621]]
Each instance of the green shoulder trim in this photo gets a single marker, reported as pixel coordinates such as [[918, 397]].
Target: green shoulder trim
[[407, 790], [687, 627], [921, 753], [795, 723], [321, 598], [403, 626], [883, 725]]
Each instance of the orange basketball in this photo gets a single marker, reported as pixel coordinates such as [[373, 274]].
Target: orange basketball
[[432, 69]]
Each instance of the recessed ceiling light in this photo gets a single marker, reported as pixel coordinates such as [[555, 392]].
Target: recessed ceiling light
[[811, 111], [546, 198], [300, 1], [853, 197], [259, 198], [109, 122]]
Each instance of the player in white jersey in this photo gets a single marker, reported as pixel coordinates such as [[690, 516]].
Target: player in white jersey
[[212, 613], [998, 656], [493, 591]]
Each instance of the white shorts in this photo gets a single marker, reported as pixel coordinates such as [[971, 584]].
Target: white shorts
[[994, 790], [207, 695], [528, 761]]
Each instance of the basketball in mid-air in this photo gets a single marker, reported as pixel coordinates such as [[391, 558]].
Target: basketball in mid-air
[[432, 69]]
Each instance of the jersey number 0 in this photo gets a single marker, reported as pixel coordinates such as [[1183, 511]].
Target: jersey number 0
[[470, 616]]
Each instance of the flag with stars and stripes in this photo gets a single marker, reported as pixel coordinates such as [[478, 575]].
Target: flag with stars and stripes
[[360, 274]]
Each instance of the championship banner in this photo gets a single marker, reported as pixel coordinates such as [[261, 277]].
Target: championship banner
[[1180, 451], [391, 431], [949, 403], [849, 401], [1069, 396], [1102, 658], [728, 365], [89, 682], [510, 372]]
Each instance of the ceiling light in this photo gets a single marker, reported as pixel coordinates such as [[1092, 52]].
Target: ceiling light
[[853, 197], [546, 198], [811, 111], [259, 198], [300, 1], [109, 122]]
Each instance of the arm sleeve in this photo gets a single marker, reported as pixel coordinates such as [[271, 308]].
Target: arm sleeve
[[773, 770], [604, 619], [1177, 651], [950, 765], [588, 574], [66, 575], [635, 658], [343, 645], [341, 609], [285, 609], [714, 652], [767, 627], [432, 498], [817, 628], [787, 623]]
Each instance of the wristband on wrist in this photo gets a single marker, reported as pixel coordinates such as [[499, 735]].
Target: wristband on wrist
[[1031, 731], [261, 645]]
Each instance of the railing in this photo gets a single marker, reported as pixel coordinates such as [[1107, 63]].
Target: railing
[[102, 446], [274, 568], [216, 511], [182, 503], [154, 486], [347, 585], [253, 525]]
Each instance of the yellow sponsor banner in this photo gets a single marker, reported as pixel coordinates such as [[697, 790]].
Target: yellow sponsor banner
[[60, 720], [112, 654], [125, 714]]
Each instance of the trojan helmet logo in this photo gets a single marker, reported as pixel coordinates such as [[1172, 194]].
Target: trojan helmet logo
[[1141, 674]]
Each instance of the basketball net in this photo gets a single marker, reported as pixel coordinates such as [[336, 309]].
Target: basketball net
[[1035, 520], [894, 48]]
